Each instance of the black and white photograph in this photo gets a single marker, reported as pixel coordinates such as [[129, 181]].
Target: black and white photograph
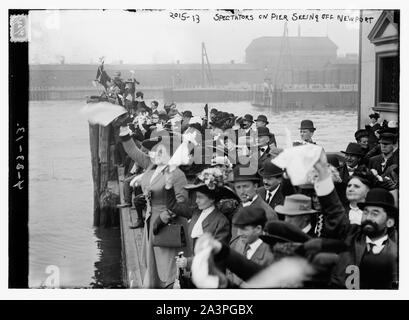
[[209, 148]]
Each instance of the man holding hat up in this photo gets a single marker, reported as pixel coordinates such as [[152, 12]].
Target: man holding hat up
[[250, 224], [245, 185], [371, 259], [390, 154]]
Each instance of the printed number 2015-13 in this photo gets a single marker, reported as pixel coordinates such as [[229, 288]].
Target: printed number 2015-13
[[185, 16]]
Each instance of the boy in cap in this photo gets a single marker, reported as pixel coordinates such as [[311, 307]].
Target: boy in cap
[[250, 224]]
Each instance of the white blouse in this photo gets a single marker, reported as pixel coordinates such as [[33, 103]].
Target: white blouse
[[355, 215], [197, 229]]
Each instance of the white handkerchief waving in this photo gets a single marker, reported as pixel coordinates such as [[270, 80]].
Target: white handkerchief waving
[[298, 162]]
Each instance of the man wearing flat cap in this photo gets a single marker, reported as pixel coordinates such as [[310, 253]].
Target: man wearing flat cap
[[371, 259], [272, 190], [250, 223], [307, 130], [389, 153], [245, 184]]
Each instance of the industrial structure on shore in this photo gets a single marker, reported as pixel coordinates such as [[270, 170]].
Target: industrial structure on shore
[[314, 76]]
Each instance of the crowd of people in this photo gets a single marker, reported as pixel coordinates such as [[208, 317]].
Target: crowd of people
[[228, 207]]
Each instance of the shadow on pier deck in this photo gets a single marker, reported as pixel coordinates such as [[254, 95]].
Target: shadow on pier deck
[[132, 268]]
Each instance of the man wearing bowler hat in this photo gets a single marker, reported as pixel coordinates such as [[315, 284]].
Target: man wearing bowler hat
[[271, 192], [371, 259], [353, 158], [250, 223], [247, 123], [245, 184], [265, 138], [297, 210], [261, 121], [307, 130], [390, 153]]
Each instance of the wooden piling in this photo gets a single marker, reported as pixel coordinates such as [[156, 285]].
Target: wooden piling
[[105, 183], [94, 145]]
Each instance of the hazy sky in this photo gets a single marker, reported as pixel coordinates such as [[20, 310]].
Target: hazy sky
[[81, 36]]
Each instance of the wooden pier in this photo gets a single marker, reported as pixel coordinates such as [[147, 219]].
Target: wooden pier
[[108, 192], [131, 241]]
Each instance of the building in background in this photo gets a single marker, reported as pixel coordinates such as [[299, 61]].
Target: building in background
[[307, 53], [379, 65], [313, 66]]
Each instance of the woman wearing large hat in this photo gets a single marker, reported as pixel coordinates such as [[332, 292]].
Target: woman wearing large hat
[[204, 215], [157, 260]]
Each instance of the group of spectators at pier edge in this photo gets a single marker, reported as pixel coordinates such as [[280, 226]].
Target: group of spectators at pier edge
[[237, 216]]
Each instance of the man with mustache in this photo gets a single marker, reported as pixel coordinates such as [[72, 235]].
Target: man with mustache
[[371, 261], [246, 182], [389, 153], [353, 158], [272, 191]]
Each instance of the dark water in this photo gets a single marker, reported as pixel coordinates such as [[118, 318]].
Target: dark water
[[60, 203], [60, 224]]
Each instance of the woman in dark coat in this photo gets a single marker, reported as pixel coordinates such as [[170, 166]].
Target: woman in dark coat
[[372, 129], [158, 261], [204, 215]]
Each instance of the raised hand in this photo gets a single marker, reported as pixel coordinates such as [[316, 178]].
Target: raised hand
[[322, 167]]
